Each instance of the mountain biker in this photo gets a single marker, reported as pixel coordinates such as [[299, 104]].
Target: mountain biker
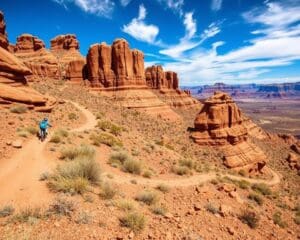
[[44, 124]]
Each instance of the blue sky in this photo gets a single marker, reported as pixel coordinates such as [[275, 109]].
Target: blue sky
[[205, 41]]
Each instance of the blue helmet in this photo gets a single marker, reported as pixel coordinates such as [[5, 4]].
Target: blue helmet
[[45, 119]]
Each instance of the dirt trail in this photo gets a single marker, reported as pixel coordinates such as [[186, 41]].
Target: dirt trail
[[19, 176]]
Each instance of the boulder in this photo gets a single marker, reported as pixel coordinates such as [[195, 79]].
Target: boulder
[[3, 35], [294, 161], [17, 143], [221, 123]]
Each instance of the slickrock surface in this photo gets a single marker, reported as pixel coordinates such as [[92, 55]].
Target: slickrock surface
[[221, 123], [31, 50]]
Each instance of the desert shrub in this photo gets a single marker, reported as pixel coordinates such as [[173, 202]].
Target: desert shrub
[[211, 208], [243, 184], [28, 214], [242, 172], [159, 210], [181, 170], [187, 163], [249, 218], [125, 205], [44, 176], [18, 109], [109, 126], [163, 188], [107, 139], [262, 188], [278, 220], [132, 166], [99, 115], [83, 218], [147, 174], [255, 197], [147, 197], [134, 221], [297, 219], [62, 132], [55, 138], [118, 157], [75, 176], [72, 116], [108, 191], [32, 130], [62, 206], [6, 211], [23, 133], [77, 152]]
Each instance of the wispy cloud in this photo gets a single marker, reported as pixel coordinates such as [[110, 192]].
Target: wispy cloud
[[138, 29], [174, 5], [216, 5], [124, 3], [272, 45], [103, 8]]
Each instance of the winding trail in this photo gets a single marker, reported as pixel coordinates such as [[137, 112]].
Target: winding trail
[[19, 176]]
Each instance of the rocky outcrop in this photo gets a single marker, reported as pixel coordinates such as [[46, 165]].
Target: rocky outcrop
[[294, 161], [71, 63], [115, 67], [3, 35], [31, 50], [221, 123], [13, 85]]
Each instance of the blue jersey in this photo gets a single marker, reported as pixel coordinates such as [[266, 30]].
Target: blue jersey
[[44, 125]]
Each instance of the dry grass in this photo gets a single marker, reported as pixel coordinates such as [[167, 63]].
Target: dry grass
[[163, 188], [147, 197], [6, 211], [77, 152], [62, 206], [108, 191], [19, 109], [134, 221], [125, 205], [249, 218], [132, 166], [105, 138]]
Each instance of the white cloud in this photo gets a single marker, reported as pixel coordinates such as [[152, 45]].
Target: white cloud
[[273, 45], [124, 3], [174, 5], [216, 5], [103, 8], [190, 25], [138, 29]]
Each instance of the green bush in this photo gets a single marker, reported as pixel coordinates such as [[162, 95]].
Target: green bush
[[147, 197], [250, 218], [107, 139], [18, 109], [134, 221], [132, 166], [262, 188], [255, 197]]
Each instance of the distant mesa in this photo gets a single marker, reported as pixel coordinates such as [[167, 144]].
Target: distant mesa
[[221, 123]]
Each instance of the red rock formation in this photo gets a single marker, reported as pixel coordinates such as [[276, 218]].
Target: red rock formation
[[221, 123], [66, 50], [31, 50], [64, 42], [3, 35], [13, 87], [155, 77], [115, 66]]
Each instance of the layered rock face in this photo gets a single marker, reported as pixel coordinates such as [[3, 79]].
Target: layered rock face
[[31, 50], [221, 123], [13, 87], [115, 66], [3, 35], [71, 63]]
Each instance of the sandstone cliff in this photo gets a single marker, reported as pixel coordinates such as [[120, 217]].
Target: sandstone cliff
[[115, 67], [3, 35], [221, 123], [71, 63], [31, 50]]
